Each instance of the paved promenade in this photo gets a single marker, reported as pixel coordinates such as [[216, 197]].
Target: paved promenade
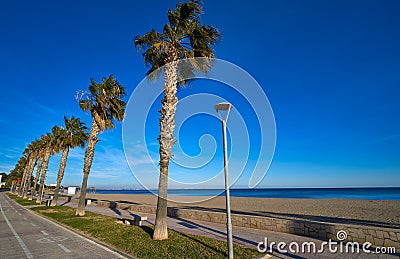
[[23, 234], [244, 236]]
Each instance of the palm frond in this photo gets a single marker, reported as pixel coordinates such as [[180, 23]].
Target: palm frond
[[183, 38], [105, 102]]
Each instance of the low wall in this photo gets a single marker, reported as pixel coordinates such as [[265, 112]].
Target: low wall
[[377, 236]]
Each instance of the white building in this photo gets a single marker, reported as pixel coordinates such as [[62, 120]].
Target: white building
[[1, 183], [72, 189]]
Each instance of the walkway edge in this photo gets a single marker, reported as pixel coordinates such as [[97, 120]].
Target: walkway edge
[[17, 237]]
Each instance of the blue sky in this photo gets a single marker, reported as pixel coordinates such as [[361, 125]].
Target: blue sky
[[330, 70]]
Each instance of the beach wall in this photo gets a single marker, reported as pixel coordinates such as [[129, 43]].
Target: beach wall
[[377, 236], [387, 237]]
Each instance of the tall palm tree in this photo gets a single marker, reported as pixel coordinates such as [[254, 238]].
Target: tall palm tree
[[48, 142], [18, 171], [182, 38], [25, 172], [34, 157], [27, 155], [31, 152], [41, 153], [105, 104], [73, 135]]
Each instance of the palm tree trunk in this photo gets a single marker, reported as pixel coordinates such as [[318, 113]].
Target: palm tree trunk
[[25, 185], [24, 175], [29, 177], [36, 177], [21, 184], [89, 154], [166, 140], [43, 176], [60, 176]]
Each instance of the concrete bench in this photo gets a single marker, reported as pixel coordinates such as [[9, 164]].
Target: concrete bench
[[48, 202], [135, 220]]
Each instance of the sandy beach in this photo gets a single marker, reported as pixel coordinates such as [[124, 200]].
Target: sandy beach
[[364, 212]]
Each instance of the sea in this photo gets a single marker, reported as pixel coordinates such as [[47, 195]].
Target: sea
[[389, 193]]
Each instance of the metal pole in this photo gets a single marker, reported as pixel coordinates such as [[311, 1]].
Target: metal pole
[[227, 194]]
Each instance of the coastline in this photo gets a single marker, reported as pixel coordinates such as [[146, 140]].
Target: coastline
[[377, 212]]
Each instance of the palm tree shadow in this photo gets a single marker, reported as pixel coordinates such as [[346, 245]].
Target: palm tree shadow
[[148, 230], [223, 253], [193, 225], [66, 202], [113, 207]]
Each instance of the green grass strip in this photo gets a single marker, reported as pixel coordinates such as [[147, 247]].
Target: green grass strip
[[23, 202], [137, 241]]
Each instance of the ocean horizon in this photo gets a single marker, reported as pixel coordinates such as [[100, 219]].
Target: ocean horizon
[[365, 193]]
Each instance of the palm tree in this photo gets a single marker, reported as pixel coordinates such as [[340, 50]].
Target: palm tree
[[35, 148], [41, 153], [31, 152], [27, 155], [104, 102], [182, 38], [25, 172], [48, 142], [18, 171], [74, 134]]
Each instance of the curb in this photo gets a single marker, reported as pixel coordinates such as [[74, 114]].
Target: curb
[[102, 244]]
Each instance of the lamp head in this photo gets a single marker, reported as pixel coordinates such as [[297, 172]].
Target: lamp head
[[224, 106]]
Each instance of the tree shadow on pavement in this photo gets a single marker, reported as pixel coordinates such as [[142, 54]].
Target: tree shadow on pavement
[[193, 225]]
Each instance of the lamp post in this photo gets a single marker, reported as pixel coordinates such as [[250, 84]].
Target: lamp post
[[226, 107]]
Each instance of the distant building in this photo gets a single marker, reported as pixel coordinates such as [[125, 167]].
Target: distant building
[[1, 183], [73, 189]]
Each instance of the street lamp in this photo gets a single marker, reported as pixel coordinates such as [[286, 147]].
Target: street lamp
[[226, 107]]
